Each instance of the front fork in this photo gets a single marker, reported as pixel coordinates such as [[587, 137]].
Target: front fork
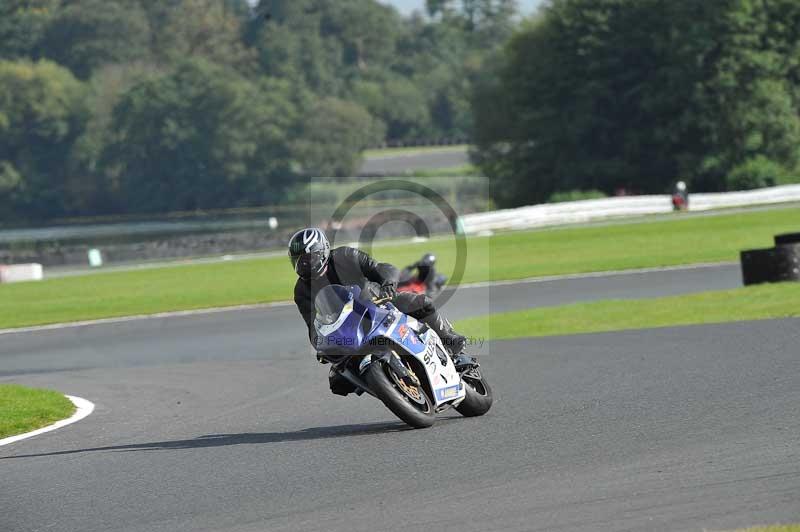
[[357, 381], [390, 358]]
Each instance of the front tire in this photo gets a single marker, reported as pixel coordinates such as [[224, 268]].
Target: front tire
[[479, 394], [417, 411]]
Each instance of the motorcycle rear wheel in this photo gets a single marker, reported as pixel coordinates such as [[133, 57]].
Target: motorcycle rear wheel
[[479, 394], [411, 404]]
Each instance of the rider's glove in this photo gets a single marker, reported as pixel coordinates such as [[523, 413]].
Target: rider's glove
[[388, 290]]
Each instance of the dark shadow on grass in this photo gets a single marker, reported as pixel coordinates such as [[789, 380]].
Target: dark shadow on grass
[[224, 440]]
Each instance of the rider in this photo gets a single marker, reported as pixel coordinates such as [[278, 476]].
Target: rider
[[425, 269], [318, 266], [681, 190]]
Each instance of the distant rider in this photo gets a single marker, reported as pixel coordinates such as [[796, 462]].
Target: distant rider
[[318, 266], [680, 196], [426, 270]]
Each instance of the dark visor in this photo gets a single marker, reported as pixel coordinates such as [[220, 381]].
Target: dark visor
[[308, 264]]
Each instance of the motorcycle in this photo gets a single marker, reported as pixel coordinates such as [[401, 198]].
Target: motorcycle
[[680, 197], [679, 201], [395, 358], [412, 283], [414, 278]]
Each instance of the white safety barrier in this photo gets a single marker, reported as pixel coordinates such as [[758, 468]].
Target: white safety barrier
[[762, 196], [549, 214], [20, 272]]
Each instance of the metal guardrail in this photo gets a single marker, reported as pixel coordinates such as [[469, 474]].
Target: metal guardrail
[[619, 207]]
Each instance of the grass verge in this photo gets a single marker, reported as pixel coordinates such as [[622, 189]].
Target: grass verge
[[25, 409], [412, 150], [503, 256], [453, 171], [751, 303]]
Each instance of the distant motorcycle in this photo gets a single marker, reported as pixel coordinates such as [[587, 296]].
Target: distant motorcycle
[[412, 283], [413, 278], [680, 197], [395, 358], [679, 202]]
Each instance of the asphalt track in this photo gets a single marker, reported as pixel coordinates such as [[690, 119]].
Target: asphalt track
[[222, 422]]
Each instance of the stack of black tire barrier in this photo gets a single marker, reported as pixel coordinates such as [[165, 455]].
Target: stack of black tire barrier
[[773, 265]]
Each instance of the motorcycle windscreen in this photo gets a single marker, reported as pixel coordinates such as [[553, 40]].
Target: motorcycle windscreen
[[336, 323]]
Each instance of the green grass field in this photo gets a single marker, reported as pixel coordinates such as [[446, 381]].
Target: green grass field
[[411, 150], [514, 255], [463, 170], [751, 303], [25, 409]]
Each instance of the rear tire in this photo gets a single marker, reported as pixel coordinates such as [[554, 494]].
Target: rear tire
[[419, 416], [479, 394]]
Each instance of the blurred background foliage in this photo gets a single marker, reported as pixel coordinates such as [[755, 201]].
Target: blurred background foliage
[[150, 106], [635, 94]]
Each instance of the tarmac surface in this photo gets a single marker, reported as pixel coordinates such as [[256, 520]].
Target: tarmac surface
[[224, 422]]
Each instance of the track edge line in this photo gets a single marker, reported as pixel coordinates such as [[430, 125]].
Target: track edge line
[[82, 409]]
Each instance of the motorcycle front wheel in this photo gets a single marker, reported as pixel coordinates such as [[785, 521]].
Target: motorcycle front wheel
[[409, 403], [479, 394]]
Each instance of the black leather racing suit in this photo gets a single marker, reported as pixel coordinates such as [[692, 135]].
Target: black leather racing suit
[[350, 266]]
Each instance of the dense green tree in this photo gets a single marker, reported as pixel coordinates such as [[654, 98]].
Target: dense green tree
[[321, 44], [333, 135], [748, 102], [87, 34], [200, 137], [42, 112], [212, 29], [188, 104], [489, 20], [400, 104], [87, 186], [444, 61], [22, 24], [366, 29], [607, 94], [289, 45], [412, 74]]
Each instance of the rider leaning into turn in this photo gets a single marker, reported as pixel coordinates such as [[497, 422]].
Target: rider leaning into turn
[[317, 266]]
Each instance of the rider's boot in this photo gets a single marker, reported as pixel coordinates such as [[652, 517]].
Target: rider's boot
[[452, 341], [339, 385], [464, 362]]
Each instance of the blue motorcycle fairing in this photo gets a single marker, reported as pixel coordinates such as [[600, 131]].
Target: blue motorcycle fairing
[[402, 334], [364, 323], [350, 325]]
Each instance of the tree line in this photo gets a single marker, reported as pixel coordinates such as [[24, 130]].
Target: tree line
[[148, 106], [636, 94]]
